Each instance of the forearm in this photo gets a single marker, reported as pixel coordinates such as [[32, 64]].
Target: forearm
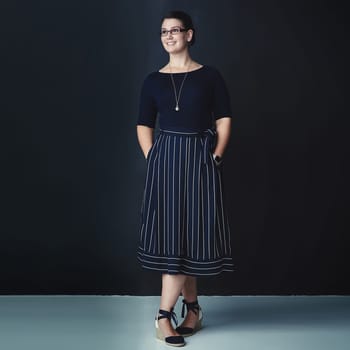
[[223, 129], [145, 138]]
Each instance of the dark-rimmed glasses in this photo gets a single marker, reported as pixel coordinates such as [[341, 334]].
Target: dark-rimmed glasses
[[172, 31]]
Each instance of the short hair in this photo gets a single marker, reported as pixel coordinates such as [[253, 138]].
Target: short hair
[[184, 18]]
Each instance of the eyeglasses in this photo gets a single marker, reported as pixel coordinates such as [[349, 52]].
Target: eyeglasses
[[172, 31]]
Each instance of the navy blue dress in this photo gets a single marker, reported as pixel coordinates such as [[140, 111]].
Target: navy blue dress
[[183, 222]]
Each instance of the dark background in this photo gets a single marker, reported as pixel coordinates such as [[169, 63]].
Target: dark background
[[72, 172]]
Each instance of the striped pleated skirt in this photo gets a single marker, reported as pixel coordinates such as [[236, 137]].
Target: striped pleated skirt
[[184, 226]]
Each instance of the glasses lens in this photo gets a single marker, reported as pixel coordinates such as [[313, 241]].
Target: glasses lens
[[175, 31], [172, 31]]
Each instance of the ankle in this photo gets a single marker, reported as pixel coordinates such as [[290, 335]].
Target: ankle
[[164, 321], [192, 301]]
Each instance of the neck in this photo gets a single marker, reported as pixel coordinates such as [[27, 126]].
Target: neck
[[180, 61]]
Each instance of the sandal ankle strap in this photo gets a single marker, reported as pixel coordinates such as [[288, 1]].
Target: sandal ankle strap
[[169, 315], [193, 306]]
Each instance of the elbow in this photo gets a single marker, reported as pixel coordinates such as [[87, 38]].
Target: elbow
[[224, 122]]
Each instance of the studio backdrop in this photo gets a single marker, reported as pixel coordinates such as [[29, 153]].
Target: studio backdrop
[[72, 172]]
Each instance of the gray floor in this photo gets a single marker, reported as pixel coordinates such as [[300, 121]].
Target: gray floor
[[123, 322]]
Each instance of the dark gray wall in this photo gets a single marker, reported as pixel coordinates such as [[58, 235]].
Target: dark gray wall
[[72, 172]]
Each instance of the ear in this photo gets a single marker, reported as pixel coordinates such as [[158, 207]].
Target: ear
[[189, 35]]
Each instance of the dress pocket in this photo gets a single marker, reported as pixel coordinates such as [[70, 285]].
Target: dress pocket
[[216, 163], [150, 151]]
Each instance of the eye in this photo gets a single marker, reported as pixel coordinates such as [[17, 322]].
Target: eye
[[163, 32], [175, 30]]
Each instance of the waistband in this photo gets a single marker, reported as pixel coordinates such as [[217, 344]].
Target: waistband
[[209, 136], [210, 131]]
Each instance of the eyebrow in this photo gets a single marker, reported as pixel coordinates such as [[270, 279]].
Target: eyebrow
[[171, 27]]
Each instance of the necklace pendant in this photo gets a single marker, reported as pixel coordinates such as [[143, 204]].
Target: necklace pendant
[[177, 108]]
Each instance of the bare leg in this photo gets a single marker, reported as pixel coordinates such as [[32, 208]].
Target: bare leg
[[189, 292], [171, 289]]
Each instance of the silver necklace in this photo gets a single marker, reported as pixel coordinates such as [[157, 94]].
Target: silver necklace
[[177, 96]]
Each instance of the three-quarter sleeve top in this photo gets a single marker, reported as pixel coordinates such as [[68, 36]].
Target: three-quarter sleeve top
[[204, 98]]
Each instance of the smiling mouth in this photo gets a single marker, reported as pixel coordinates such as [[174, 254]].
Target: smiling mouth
[[171, 43]]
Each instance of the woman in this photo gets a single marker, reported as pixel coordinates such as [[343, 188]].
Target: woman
[[184, 228]]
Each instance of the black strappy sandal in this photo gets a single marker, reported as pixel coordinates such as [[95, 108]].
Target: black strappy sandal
[[194, 307], [173, 340]]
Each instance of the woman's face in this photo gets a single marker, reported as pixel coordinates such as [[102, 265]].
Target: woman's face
[[175, 42]]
